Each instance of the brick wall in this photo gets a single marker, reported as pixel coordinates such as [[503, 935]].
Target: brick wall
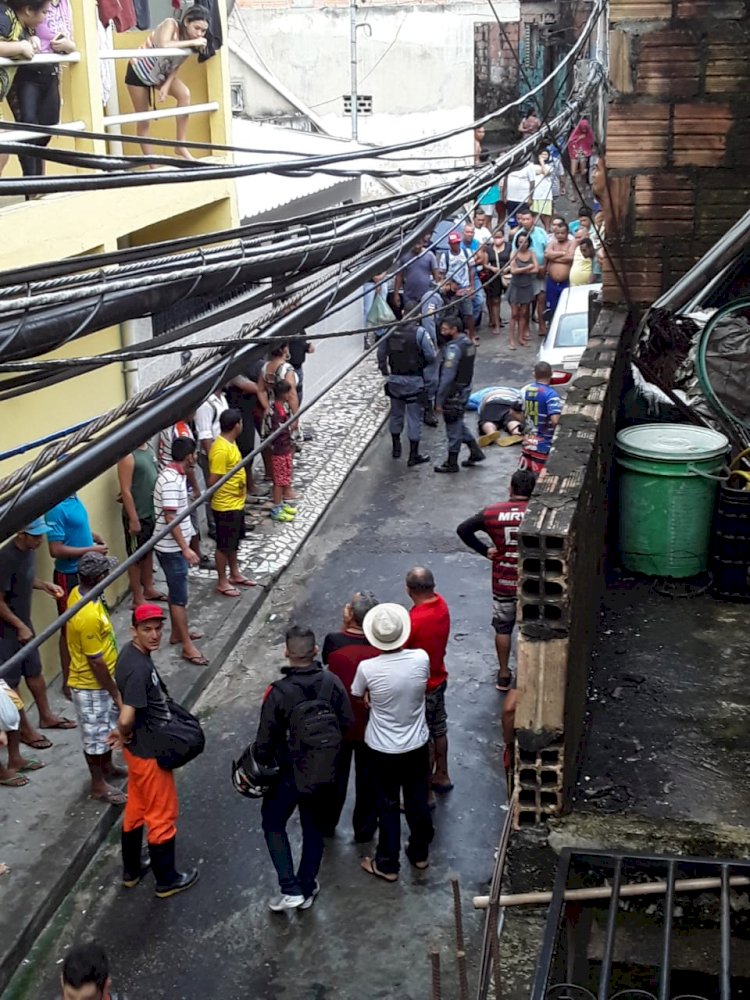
[[678, 137]]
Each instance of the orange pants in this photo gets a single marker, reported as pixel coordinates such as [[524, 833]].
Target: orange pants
[[152, 799]]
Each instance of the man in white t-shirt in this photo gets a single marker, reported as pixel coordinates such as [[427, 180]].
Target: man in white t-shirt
[[394, 685], [173, 551]]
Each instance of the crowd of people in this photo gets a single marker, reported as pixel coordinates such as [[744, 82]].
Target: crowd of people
[[45, 27], [156, 484]]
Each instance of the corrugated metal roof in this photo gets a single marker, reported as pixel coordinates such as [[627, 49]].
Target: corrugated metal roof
[[263, 193]]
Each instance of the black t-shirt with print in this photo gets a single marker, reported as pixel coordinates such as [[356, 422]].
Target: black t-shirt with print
[[140, 688]]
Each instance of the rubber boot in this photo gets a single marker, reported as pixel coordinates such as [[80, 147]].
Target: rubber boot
[[134, 865], [396, 449], [451, 463], [476, 455], [414, 457], [168, 880], [430, 417]]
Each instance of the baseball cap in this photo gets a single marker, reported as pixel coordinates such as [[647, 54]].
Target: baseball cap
[[147, 612], [95, 564], [37, 527], [454, 238]]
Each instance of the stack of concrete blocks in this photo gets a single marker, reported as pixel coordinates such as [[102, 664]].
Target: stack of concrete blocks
[[562, 545]]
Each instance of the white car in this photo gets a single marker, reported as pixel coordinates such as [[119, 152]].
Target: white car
[[568, 332]]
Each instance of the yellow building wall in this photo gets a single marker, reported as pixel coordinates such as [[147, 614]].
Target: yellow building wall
[[65, 225]]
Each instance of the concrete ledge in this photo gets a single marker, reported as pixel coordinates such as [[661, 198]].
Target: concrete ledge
[[562, 547]]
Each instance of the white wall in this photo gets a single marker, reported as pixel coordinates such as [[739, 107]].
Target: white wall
[[418, 65]]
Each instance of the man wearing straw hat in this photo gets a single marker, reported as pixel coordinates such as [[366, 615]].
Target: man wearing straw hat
[[394, 685]]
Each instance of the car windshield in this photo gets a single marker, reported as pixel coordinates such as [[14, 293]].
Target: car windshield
[[573, 330]]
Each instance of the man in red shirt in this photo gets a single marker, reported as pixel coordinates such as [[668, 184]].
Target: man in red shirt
[[501, 522], [430, 630], [342, 653]]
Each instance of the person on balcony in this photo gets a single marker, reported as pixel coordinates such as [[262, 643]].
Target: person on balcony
[[18, 19], [159, 73], [34, 97]]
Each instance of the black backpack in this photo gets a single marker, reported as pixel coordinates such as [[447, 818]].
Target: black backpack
[[314, 739], [181, 739]]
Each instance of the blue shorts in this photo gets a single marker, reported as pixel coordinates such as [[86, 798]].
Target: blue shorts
[[175, 569]]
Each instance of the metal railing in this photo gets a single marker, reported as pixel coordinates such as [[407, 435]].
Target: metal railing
[[614, 930]]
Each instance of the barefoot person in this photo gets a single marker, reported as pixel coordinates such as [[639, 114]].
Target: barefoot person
[[149, 74], [521, 293], [17, 582], [228, 504], [93, 657]]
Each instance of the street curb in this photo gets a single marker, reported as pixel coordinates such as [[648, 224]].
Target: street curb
[[228, 635]]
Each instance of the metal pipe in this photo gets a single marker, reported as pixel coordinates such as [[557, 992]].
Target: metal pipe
[[665, 976], [725, 975], [720, 254], [605, 891], [463, 982], [353, 64], [609, 941]]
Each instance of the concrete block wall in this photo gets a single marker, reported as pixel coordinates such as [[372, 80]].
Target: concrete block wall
[[561, 576], [678, 136]]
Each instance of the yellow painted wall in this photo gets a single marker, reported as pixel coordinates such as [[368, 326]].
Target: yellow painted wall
[[60, 226]]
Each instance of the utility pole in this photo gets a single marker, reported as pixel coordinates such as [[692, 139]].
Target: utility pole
[[353, 54]]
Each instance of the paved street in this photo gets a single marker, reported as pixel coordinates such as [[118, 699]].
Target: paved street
[[362, 938]]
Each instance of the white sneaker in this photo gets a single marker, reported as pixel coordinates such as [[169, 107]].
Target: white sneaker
[[311, 899], [284, 902]]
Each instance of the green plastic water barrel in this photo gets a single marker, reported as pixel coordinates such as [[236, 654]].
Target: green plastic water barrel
[[667, 496]]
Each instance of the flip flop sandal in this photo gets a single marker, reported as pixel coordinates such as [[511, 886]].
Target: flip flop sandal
[[368, 865], [505, 441], [112, 798], [162, 598], [198, 661], [503, 685], [194, 634], [62, 723], [17, 781], [32, 765], [41, 744], [232, 592], [244, 582]]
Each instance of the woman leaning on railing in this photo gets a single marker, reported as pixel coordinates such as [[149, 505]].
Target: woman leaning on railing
[[34, 97]]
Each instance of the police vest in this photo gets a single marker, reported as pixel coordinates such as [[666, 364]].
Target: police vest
[[404, 355], [465, 367]]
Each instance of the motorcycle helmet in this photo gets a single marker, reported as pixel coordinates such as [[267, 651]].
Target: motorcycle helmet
[[250, 778]]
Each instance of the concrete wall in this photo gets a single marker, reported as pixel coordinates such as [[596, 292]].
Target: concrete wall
[[678, 138], [417, 63], [561, 576]]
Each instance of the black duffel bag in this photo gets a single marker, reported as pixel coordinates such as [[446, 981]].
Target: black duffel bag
[[181, 739]]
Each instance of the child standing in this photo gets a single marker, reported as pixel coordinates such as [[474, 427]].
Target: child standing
[[282, 454]]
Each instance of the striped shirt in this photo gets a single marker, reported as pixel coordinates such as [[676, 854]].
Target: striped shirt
[[154, 70]]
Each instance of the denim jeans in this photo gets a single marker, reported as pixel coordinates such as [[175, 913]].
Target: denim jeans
[[391, 773], [278, 806]]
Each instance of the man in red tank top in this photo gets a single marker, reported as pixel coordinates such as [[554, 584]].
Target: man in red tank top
[[501, 522]]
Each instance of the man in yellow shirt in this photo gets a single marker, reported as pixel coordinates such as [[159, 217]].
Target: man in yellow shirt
[[228, 503], [581, 273], [93, 655]]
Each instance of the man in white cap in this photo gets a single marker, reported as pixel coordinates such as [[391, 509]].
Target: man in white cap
[[394, 685]]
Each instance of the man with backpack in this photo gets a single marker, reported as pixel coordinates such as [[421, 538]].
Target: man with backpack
[[302, 720]]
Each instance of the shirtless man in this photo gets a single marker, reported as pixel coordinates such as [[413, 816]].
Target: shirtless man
[[559, 257]]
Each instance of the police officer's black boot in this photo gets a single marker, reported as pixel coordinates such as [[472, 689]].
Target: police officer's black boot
[[168, 880], [430, 417], [396, 449], [414, 457], [476, 455], [450, 464], [134, 865]]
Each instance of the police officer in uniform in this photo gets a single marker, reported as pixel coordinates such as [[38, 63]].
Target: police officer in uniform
[[453, 393], [403, 358], [432, 306]]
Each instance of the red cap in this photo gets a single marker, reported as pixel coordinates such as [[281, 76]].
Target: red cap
[[147, 612], [454, 238]]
